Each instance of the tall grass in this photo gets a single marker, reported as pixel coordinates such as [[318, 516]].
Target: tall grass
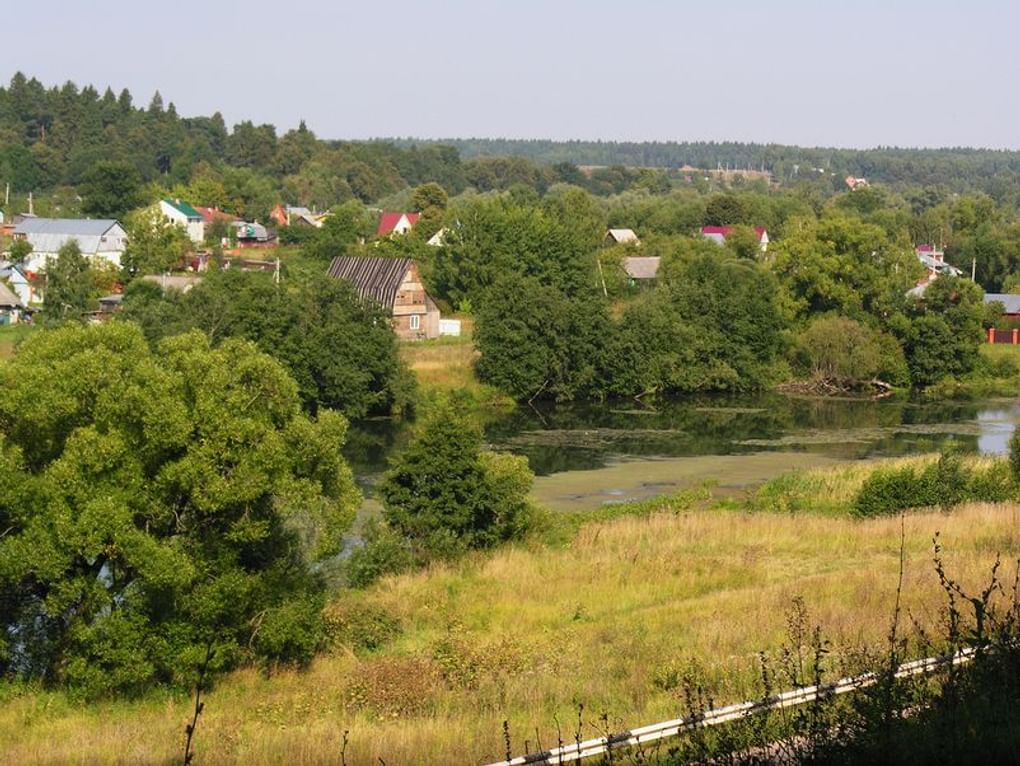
[[611, 619]]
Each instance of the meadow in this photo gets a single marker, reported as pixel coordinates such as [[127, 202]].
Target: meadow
[[426, 667]]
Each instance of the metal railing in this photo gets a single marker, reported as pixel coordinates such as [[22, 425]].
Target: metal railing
[[577, 751]]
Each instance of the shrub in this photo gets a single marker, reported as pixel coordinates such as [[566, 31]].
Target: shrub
[[383, 552], [362, 627]]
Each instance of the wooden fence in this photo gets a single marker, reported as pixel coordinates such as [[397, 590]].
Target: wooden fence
[[577, 751]]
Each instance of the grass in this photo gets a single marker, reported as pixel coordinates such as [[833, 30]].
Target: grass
[[447, 364], [832, 490], [11, 336], [527, 632]]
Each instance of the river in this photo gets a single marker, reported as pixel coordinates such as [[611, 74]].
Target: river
[[588, 454]]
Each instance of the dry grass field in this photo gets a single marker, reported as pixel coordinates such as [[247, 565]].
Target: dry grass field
[[610, 620]]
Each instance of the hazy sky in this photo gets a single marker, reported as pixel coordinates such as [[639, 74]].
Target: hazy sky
[[847, 73]]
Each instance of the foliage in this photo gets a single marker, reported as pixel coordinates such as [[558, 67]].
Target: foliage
[[155, 245], [341, 351], [846, 351], [345, 225], [445, 497], [19, 250], [71, 288], [158, 503], [535, 341], [944, 483], [110, 189]]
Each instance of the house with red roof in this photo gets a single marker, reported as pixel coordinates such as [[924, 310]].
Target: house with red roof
[[718, 235], [210, 214], [396, 223]]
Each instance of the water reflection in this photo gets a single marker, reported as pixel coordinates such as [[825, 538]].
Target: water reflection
[[583, 436]]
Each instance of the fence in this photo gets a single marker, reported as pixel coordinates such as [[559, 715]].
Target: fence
[[576, 751], [1003, 336]]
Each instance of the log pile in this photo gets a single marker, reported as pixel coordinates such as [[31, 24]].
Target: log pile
[[821, 386]]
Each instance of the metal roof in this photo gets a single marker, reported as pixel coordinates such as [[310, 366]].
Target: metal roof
[[372, 277], [48, 235], [1009, 300], [184, 208]]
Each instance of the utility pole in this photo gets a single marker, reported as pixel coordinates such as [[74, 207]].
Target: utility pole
[[973, 269], [31, 209], [7, 194]]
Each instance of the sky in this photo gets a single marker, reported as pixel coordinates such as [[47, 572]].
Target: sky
[[849, 73]]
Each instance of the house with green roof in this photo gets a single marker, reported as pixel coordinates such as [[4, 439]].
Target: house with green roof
[[184, 215]]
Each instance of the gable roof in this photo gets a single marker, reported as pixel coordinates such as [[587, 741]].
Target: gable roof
[[373, 278], [388, 221], [642, 266], [48, 235], [1008, 300], [8, 300], [183, 208], [622, 235]]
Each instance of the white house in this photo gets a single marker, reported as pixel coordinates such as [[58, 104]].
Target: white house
[[184, 215], [396, 223], [99, 239]]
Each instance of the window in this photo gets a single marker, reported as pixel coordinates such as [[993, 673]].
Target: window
[[415, 322]]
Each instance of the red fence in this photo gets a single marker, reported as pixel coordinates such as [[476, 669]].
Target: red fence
[[1003, 336]]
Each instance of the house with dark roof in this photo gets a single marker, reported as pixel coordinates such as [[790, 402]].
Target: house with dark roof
[[395, 284], [100, 239], [396, 223], [184, 215], [718, 234]]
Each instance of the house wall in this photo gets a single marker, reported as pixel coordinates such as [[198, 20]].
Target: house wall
[[195, 229], [412, 301]]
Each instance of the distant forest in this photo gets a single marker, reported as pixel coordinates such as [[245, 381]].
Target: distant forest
[[957, 166], [52, 137]]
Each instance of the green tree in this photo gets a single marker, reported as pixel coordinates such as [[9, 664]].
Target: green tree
[[71, 287], [341, 351], [158, 504], [846, 352], [154, 245], [110, 189], [445, 496], [20, 250], [345, 225]]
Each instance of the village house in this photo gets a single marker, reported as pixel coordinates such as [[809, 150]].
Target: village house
[[718, 234], [934, 261], [621, 237], [253, 234], [287, 215], [1010, 304], [20, 283], [391, 224], [185, 216], [395, 284], [100, 239], [11, 306]]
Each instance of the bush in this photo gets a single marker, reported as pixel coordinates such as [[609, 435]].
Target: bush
[[383, 552], [945, 483], [362, 627]]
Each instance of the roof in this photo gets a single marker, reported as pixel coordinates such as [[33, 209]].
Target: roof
[[623, 235], [642, 267], [372, 277], [925, 249], [210, 214], [48, 235], [938, 265], [8, 300], [724, 231], [388, 221], [1009, 300], [183, 208], [251, 230]]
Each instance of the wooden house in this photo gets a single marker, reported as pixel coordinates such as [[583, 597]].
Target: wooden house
[[395, 284]]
